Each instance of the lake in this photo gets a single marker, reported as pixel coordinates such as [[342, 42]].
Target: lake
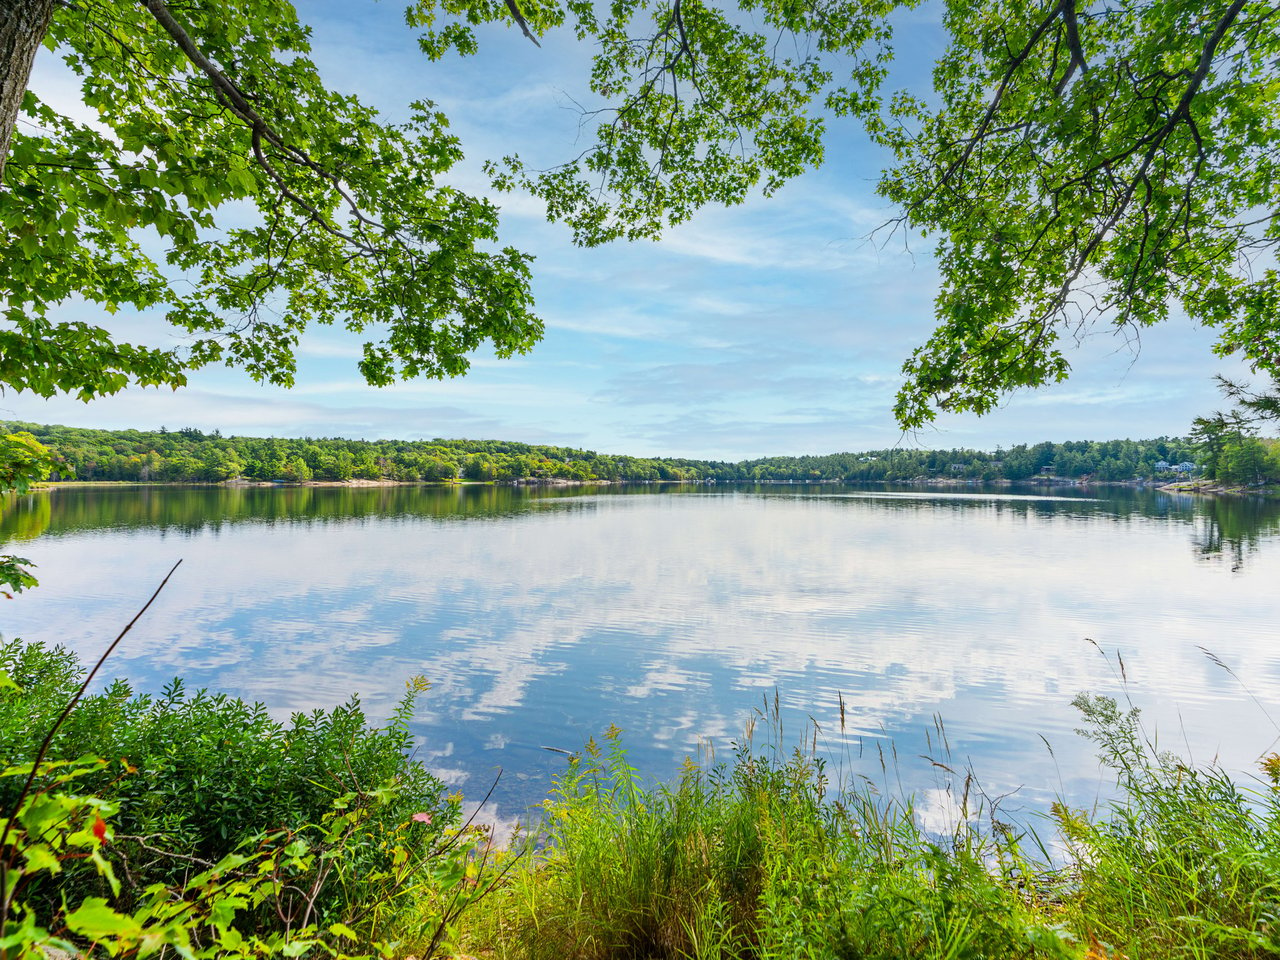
[[955, 624]]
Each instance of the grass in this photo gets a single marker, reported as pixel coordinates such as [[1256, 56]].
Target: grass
[[764, 857], [1188, 864]]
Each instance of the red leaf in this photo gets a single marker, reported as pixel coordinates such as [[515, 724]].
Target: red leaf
[[99, 828]]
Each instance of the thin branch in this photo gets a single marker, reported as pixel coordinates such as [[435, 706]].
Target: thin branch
[[997, 98], [141, 843], [1182, 110], [1073, 44], [57, 725]]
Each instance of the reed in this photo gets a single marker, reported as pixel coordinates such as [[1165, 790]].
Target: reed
[[1186, 863], [763, 856]]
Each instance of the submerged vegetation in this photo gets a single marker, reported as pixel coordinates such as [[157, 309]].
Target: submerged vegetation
[[196, 824]]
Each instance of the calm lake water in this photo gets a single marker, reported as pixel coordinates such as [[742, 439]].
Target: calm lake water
[[543, 615]]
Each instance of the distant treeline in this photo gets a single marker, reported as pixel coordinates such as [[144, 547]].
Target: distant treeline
[[189, 455]]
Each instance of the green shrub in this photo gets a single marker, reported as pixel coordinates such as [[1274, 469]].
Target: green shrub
[[216, 912], [200, 774]]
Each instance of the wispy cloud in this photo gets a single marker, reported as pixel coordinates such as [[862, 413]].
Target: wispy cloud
[[782, 322]]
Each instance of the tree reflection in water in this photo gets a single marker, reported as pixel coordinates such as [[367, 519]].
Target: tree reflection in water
[[1227, 529], [1232, 529]]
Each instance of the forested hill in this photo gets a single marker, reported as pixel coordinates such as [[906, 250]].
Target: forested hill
[[188, 455]]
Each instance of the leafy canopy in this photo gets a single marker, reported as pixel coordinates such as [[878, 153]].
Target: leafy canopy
[[1087, 162], [223, 183], [1077, 163]]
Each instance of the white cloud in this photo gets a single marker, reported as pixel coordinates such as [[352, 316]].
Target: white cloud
[[778, 320], [541, 628]]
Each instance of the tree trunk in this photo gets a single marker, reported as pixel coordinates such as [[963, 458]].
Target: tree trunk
[[23, 24]]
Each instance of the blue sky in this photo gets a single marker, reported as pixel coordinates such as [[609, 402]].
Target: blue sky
[[771, 328]]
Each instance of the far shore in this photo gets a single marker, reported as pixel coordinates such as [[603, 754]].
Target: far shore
[[1207, 488], [242, 482]]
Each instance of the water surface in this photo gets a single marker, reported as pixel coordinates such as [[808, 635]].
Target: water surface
[[543, 615]]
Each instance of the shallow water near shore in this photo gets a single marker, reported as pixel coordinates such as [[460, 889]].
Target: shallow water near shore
[[956, 625]]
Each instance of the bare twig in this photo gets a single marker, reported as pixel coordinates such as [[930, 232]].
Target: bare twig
[[48, 740]]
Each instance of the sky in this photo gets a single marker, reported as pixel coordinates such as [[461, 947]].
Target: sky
[[777, 327]]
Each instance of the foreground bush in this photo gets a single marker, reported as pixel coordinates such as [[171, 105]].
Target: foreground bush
[[324, 820], [755, 859], [219, 911], [764, 858]]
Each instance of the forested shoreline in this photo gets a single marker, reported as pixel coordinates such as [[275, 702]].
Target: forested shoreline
[[189, 455]]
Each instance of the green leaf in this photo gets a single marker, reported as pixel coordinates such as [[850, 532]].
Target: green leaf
[[40, 856], [342, 930], [95, 919], [411, 258]]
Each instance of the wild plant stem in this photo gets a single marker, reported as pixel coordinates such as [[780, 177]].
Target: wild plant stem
[[48, 741]]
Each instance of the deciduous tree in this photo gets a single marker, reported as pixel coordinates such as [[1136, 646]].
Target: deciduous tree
[[1078, 163], [225, 185]]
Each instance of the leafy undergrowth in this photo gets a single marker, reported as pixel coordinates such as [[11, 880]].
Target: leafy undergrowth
[[197, 826], [764, 858]]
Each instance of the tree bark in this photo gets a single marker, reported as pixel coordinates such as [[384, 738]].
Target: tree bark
[[23, 24]]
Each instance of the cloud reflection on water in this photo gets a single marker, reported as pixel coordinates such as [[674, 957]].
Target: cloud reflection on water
[[542, 618]]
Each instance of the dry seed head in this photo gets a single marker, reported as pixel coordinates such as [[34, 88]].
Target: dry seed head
[[1271, 767]]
